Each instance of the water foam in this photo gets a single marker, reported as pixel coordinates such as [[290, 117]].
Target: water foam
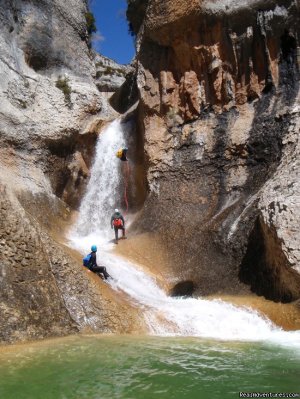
[[102, 195], [163, 315]]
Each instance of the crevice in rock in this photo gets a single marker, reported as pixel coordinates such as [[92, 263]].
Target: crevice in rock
[[288, 46], [265, 266], [127, 95], [183, 289], [37, 61]]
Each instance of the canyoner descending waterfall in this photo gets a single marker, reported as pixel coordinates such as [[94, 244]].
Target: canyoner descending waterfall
[[102, 192], [176, 173], [162, 315]]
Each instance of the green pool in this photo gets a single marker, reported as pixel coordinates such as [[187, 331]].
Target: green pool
[[105, 367]]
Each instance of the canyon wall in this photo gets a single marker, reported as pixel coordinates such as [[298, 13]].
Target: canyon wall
[[49, 101], [51, 111], [216, 153], [219, 111]]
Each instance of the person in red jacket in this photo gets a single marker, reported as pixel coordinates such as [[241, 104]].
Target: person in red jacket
[[117, 223]]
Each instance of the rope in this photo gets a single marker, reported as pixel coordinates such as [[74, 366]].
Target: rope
[[126, 176]]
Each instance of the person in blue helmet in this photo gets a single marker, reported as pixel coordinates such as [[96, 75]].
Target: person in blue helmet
[[90, 261]]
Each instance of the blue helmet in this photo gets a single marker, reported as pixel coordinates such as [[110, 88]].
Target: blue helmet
[[94, 248]]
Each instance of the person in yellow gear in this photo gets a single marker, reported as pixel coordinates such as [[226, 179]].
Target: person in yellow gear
[[122, 154]]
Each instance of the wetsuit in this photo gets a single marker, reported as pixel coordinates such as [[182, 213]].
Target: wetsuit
[[124, 155], [117, 228], [92, 265]]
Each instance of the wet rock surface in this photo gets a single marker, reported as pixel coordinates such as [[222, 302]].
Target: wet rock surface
[[219, 87], [215, 152], [51, 112], [31, 305], [45, 291], [273, 248]]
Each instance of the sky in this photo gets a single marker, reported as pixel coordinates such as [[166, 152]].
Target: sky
[[112, 38]]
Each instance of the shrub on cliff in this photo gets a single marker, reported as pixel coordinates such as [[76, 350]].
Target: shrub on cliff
[[131, 30], [90, 27], [90, 23], [136, 10], [63, 85]]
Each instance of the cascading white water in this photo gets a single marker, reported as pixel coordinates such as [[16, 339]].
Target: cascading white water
[[101, 196], [163, 315]]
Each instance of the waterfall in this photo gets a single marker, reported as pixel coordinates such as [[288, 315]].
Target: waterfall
[[162, 314], [102, 191]]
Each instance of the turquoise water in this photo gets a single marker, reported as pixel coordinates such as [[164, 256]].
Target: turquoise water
[[100, 367]]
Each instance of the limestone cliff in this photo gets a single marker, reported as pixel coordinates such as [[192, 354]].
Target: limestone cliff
[[219, 114], [50, 114], [45, 292], [109, 74], [216, 153], [48, 97]]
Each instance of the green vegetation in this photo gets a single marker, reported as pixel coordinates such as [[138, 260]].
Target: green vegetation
[[131, 30], [109, 71], [90, 27], [113, 71], [90, 23], [172, 113], [22, 103], [63, 85]]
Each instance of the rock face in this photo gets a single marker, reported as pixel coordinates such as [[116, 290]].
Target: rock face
[[218, 147], [50, 114], [110, 75], [31, 304], [219, 110], [118, 82], [45, 291], [273, 250]]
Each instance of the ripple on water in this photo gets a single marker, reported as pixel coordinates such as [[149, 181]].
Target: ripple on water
[[96, 367]]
